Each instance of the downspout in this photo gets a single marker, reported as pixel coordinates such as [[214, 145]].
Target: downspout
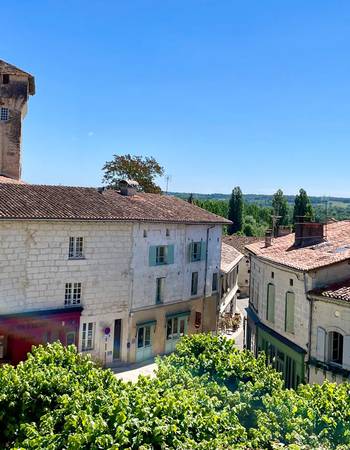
[[311, 307], [206, 274]]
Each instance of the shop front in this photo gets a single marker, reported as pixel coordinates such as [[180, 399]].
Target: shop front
[[19, 332]]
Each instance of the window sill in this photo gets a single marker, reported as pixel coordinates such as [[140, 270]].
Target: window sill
[[76, 258]]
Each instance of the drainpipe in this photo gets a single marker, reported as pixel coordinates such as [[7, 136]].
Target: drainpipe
[[311, 307], [206, 273]]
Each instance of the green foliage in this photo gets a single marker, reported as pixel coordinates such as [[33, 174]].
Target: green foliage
[[280, 207], [207, 395], [141, 169], [302, 207], [235, 211]]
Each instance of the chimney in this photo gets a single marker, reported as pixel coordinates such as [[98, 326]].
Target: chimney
[[268, 238], [308, 233], [128, 187]]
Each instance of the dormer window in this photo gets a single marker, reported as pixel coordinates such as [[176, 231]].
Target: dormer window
[[4, 114], [5, 78]]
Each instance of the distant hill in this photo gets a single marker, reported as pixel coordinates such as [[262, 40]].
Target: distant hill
[[266, 200]]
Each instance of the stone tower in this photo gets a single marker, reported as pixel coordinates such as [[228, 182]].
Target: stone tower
[[15, 87]]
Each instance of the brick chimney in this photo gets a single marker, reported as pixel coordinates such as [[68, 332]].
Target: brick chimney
[[308, 233], [128, 187]]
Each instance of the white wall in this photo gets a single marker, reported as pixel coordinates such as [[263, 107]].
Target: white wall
[[261, 274], [178, 275], [34, 268]]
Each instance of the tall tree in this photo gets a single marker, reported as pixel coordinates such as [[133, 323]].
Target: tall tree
[[139, 168], [280, 207], [302, 207], [235, 211]]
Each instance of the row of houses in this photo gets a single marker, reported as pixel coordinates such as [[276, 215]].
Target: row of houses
[[120, 274], [299, 305]]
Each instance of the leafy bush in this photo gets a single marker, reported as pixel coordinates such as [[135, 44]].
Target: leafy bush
[[207, 395]]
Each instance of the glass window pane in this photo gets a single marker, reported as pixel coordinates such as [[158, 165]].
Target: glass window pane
[[147, 336], [140, 335], [182, 327], [168, 329], [175, 325]]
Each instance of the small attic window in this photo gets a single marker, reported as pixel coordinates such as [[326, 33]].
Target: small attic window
[[4, 114], [5, 78], [167, 232]]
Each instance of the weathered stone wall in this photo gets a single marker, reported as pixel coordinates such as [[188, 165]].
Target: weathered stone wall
[[13, 96]]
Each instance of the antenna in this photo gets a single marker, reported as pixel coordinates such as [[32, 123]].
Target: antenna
[[167, 180]]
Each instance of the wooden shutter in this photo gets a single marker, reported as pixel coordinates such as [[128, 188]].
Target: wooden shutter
[[170, 254], [346, 352], [190, 251], [289, 312], [152, 255], [271, 303], [203, 250], [321, 344]]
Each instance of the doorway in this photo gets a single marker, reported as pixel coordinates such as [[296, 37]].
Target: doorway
[[117, 339]]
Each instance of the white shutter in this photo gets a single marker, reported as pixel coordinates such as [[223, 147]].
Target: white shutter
[[346, 352], [321, 344]]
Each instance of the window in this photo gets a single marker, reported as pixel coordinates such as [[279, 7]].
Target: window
[[72, 294], [196, 248], [88, 336], [5, 78], [76, 247], [144, 233], [70, 337], [270, 310], [167, 232], [336, 347], [290, 282], [144, 337], [161, 254], [4, 114], [289, 312], [272, 275], [214, 284], [194, 283], [160, 290]]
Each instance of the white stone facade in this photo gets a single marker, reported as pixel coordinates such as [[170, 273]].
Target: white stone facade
[[114, 273]]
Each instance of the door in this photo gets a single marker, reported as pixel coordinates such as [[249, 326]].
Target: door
[[175, 328], [117, 338], [144, 342]]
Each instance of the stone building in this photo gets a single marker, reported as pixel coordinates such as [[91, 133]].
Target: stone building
[[296, 313], [239, 243], [121, 274], [230, 260], [15, 87]]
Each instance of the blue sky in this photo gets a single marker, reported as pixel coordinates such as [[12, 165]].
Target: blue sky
[[222, 93]]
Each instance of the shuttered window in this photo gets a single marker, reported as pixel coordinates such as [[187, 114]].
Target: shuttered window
[[321, 344], [289, 312], [270, 310], [197, 251], [160, 255]]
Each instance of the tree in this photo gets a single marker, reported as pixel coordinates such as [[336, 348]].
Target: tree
[[302, 207], [280, 207], [141, 169], [235, 211]]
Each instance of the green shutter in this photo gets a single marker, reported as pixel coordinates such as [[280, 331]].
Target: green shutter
[[152, 255], [270, 303], [203, 250], [289, 312], [190, 251], [170, 254]]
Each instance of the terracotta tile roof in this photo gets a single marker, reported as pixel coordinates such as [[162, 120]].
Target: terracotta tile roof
[[335, 248], [4, 179], [28, 201], [13, 70], [337, 291], [239, 242], [229, 257]]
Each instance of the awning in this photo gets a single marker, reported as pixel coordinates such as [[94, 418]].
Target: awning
[[178, 314], [146, 323]]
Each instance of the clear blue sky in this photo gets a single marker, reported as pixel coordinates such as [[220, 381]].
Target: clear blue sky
[[222, 93]]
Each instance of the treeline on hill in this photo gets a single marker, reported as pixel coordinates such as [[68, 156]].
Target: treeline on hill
[[254, 218], [207, 395]]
